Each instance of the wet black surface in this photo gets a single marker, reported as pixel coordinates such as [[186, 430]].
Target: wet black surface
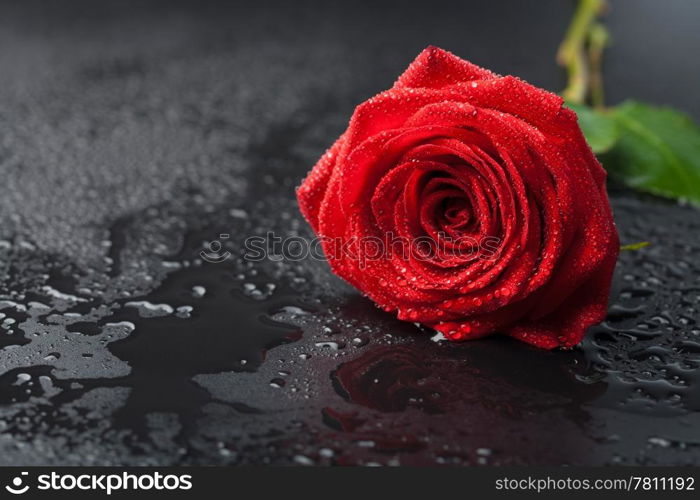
[[131, 136]]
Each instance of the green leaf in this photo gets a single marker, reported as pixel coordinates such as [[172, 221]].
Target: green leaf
[[599, 127], [658, 151], [634, 246]]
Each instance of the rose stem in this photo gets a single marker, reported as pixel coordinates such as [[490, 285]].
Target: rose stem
[[598, 38], [572, 54]]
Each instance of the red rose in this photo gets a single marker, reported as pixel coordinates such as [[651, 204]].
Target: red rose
[[470, 203]]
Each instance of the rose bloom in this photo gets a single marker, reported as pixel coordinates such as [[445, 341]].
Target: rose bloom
[[470, 203]]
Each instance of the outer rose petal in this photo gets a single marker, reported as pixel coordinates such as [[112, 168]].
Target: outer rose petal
[[568, 324], [311, 192], [509, 161], [435, 68]]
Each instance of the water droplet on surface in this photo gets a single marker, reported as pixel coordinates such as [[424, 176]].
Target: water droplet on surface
[[277, 383]]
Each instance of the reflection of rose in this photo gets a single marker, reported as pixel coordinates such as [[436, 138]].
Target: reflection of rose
[[441, 380], [451, 154], [389, 379], [454, 398]]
